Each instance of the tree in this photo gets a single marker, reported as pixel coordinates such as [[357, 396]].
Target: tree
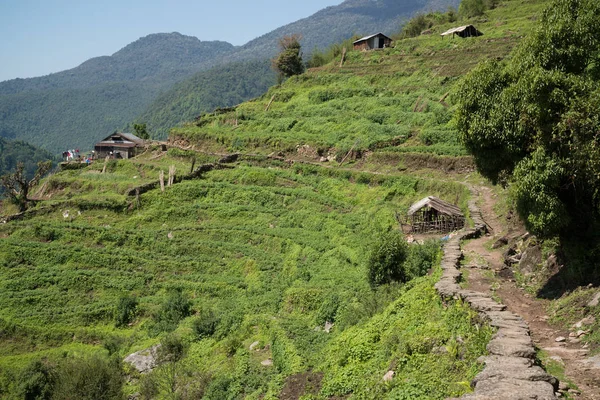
[[17, 185], [387, 258], [471, 8], [141, 131], [289, 61], [537, 116]]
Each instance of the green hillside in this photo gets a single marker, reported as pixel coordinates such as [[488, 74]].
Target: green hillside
[[254, 272], [222, 86], [15, 151]]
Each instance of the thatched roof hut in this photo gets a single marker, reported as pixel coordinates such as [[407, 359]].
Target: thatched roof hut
[[435, 215], [462, 31]]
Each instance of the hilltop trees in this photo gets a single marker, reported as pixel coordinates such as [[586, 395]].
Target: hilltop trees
[[537, 116], [289, 61]]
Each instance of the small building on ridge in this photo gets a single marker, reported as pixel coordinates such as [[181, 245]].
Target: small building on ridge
[[373, 42], [119, 145], [462, 31]]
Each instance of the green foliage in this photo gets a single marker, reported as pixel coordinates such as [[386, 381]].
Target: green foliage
[[176, 307], [289, 61], [421, 22], [14, 151], [535, 114], [125, 310], [93, 378], [387, 258], [206, 324], [472, 8], [36, 382], [141, 131]]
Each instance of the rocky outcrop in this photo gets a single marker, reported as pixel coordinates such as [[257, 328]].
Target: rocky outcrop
[[509, 371]]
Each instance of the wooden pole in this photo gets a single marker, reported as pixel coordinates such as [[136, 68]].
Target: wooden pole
[[105, 162], [350, 151], [270, 102], [343, 57], [171, 175], [161, 178]]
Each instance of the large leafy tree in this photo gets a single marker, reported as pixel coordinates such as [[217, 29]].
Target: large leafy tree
[[289, 60], [537, 116]]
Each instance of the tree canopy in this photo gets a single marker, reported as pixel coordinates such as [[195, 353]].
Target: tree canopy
[[289, 61], [536, 116]]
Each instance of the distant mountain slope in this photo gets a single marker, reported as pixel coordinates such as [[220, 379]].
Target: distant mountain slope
[[221, 86], [76, 107], [154, 57]]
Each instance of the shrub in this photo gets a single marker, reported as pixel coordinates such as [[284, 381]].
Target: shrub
[[93, 378], [125, 311], [421, 258], [176, 307], [206, 324], [387, 258], [36, 381]]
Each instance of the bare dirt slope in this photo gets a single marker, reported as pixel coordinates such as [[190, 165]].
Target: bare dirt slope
[[486, 272]]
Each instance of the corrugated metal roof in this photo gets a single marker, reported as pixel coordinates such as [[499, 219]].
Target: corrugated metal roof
[[440, 205], [369, 37], [126, 136], [455, 30], [106, 143]]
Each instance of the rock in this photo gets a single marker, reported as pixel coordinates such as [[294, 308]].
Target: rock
[[323, 159], [531, 258], [143, 360], [574, 340], [595, 300], [574, 392], [563, 386], [389, 376], [560, 339], [328, 326], [503, 241], [590, 320], [267, 363], [253, 345], [581, 333]]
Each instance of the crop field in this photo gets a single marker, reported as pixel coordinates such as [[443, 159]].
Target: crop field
[[262, 252]]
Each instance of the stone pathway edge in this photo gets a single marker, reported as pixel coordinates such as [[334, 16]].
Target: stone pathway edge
[[509, 372]]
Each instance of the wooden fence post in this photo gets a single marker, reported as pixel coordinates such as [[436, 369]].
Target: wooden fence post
[[161, 177]]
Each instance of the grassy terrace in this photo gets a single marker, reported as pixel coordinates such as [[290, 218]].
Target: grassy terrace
[[394, 100], [270, 250]]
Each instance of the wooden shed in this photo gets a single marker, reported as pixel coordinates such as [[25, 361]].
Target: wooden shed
[[435, 215], [463, 32], [119, 145], [372, 42]]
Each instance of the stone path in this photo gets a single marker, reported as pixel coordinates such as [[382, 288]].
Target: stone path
[[509, 371]]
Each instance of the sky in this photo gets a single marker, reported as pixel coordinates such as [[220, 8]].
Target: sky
[[39, 37]]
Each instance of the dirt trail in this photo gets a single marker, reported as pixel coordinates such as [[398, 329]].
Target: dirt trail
[[487, 273]]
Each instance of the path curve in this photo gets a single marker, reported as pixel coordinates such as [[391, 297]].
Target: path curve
[[509, 372]]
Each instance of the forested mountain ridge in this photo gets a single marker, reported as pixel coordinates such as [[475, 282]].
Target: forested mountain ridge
[[220, 86], [159, 55]]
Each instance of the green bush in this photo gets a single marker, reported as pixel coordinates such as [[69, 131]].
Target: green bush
[[206, 324], [174, 309], [93, 378], [36, 381], [126, 310], [387, 258]]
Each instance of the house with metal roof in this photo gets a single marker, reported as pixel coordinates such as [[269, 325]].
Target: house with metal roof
[[119, 145], [372, 42], [462, 31], [435, 215]]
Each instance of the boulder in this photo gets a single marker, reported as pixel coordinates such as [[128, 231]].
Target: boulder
[[503, 241], [143, 360], [531, 258]]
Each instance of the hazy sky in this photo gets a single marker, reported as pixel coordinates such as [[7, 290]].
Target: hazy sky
[[38, 37]]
